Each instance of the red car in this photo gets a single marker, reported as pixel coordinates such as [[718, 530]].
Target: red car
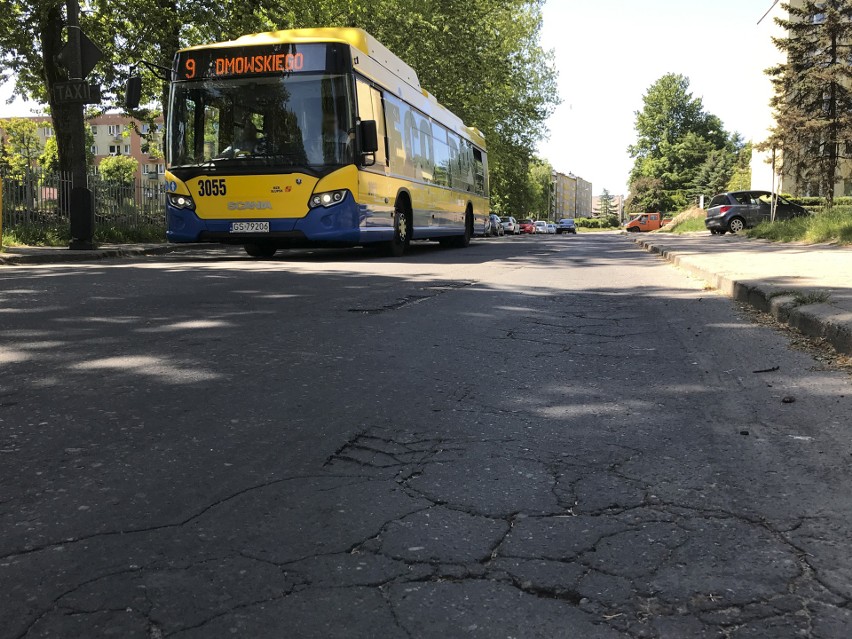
[[527, 226]]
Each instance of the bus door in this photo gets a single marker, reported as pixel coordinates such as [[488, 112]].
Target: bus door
[[376, 190]]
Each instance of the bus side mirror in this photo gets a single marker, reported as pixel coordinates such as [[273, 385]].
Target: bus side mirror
[[133, 92], [369, 136]]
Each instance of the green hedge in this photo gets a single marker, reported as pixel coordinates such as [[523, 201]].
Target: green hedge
[[608, 222]]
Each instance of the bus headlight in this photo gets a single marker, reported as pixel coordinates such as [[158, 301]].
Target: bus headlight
[[329, 198], [181, 201]]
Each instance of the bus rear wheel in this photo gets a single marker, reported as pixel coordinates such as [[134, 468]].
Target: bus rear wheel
[[260, 250], [461, 241]]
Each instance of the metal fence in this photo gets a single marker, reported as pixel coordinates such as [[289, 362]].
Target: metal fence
[[38, 199]]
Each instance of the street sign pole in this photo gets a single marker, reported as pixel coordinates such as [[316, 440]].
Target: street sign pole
[[82, 209]]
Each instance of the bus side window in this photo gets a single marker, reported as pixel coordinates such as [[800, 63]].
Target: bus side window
[[442, 155], [479, 172], [379, 117], [453, 167], [411, 141], [396, 151], [427, 152]]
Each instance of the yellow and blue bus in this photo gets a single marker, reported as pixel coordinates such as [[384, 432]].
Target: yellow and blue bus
[[316, 137]]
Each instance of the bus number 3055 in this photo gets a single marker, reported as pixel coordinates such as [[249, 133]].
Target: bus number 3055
[[211, 187]]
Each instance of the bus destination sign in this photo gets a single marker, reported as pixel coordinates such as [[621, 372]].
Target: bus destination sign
[[234, 62]]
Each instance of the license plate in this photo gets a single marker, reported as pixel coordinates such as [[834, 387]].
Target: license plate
[[249, 227]]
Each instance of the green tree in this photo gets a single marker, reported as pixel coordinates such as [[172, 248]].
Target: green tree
[[21, 149], [674, 139], [813, 101], [119, 169], [49, 159], [741, 175], [605, 200], [717, 173], [646, 195], [22, 145], [540, 177]]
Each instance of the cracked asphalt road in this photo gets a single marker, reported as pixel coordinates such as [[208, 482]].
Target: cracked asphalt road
[[534, 437]]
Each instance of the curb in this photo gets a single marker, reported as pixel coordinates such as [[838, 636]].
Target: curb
[[819, 320]]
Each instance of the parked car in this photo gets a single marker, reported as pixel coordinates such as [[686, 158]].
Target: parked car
[[510, 225], [551, 228], [734, 211], [566, 225], [496, 225], [527, 226], [647, 222], [540, 226]]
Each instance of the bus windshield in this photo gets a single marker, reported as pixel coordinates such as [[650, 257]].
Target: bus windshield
[[282, 122]]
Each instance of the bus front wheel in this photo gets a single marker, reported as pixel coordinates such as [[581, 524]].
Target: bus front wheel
[[401, 231]]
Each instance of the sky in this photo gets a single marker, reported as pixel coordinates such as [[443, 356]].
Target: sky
[[608, 53]]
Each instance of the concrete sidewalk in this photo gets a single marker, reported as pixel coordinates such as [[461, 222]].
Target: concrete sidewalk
[[806, 286]]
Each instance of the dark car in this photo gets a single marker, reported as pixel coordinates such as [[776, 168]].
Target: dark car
[[566, 225], [736, 210], [527, 226]]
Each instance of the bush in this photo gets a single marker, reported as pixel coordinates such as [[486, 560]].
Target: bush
[[611, 221]]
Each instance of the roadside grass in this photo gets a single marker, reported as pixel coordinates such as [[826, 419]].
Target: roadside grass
[[687, 221], [801, 298], [834, 225], [24, 235], [36, 236]]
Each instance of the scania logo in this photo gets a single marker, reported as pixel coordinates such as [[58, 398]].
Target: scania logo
[[251, 205]]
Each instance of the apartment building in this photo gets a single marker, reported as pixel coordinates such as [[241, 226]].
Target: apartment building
[[571, 196], [114, 134]]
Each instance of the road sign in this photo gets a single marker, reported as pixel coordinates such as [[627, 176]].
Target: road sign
[[76, 91], [90, 55]]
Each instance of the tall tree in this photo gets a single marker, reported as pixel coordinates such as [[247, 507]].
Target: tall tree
[[605, 207], [813, 101], [22, 145], [540, 180], [675, 135], [740, 179]]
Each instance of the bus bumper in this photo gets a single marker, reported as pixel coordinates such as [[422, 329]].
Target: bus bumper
[[338, 225]]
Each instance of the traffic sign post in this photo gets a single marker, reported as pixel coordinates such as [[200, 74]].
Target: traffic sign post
[[79, 56]]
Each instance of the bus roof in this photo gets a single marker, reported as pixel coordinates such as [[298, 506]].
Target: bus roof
[[363, 41]]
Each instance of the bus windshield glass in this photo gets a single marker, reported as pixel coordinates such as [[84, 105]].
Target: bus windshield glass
[[283, 122]]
